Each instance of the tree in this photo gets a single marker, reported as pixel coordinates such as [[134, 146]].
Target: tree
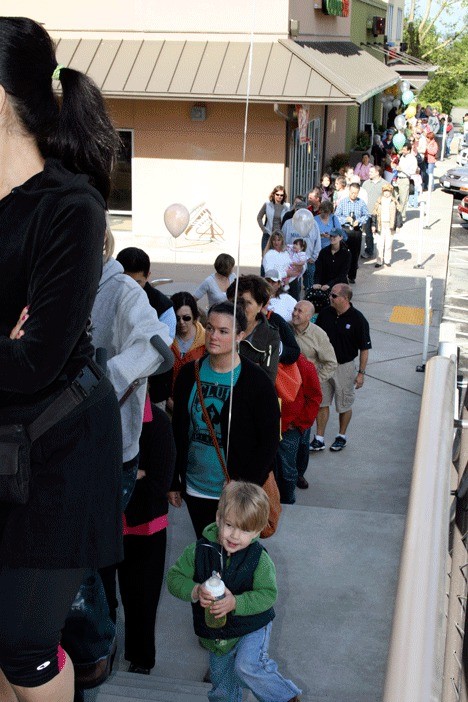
[[439, 24], [429, 34]]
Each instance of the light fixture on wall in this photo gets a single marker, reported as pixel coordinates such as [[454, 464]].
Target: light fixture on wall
[[294, 27], [198, 112]]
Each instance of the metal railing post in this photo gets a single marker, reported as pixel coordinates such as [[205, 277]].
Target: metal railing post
[[427, 322], [428, 201], [420, 233]]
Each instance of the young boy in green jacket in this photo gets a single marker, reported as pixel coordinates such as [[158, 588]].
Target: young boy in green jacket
[[230, 547]]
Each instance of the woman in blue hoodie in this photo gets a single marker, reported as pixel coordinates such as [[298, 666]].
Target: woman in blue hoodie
[[56, 158]]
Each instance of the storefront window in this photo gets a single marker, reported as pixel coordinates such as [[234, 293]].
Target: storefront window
[[121, 194]]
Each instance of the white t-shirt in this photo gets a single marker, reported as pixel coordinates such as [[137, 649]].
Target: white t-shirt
[[276, 260], [283, 305]]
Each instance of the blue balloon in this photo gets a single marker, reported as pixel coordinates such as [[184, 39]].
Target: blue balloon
[[407, 97]]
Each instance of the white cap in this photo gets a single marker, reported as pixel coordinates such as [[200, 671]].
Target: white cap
[[215, 586]]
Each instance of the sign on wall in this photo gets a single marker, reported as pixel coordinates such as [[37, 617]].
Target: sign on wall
[[338, 8], [303, 123]]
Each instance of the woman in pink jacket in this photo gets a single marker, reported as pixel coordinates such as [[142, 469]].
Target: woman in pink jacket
[[430, 156], [363, 167]]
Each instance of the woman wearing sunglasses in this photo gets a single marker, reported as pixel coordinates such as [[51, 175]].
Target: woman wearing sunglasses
[[189, 342]]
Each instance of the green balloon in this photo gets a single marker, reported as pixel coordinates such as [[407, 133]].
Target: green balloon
[[398, 141]]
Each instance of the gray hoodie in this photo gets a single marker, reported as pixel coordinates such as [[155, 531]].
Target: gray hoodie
[[123, 323]]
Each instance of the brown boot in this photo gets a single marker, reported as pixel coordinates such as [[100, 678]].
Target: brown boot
[[296, 698]]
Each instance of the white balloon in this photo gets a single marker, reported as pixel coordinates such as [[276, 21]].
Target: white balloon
[[396, 102], [303, 221], [176, 219], [404, 85], [400, 122]]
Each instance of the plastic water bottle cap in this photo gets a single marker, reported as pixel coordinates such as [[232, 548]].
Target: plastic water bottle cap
[[215, 586]]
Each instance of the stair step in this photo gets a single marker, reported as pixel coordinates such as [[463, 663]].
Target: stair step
[[121, 694], [128, 687], [121, 677]]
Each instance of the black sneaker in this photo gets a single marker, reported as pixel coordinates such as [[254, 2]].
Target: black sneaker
[[132, 668], [316, 445], [338, 444]]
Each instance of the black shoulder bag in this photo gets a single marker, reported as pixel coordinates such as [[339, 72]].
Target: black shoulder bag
[[16, 439]]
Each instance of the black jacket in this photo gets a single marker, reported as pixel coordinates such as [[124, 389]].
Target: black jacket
[[331, 268], [157, 459], [52, 233], [264, 346], [255, 424]]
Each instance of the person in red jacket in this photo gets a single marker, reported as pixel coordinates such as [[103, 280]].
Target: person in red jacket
[[296, 417]]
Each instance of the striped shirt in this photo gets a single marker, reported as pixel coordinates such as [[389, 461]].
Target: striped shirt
[[357, 208]]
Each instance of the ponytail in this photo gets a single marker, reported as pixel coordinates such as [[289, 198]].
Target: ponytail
[[84, 139], [78, 131]]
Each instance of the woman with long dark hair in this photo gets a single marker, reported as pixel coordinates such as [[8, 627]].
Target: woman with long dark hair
[[55, 166], [247, 431]]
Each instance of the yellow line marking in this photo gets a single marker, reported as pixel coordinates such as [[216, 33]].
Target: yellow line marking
[[408, 315]]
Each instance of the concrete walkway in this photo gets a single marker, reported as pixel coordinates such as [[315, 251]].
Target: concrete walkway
[[337, 549]]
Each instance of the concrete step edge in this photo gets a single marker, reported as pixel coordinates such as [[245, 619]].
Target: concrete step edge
[[120, 695], [156, 685], [136, 680]]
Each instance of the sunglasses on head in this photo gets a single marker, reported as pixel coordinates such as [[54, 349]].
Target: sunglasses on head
[[183, 318]]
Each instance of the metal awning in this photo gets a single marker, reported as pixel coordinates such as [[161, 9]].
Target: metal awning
[[410, 68], [283, 71]]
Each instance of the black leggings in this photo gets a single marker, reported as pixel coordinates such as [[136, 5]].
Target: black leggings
[[202, 512], [141, 575], [34, 604]]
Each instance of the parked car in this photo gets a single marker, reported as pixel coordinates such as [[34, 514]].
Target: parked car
[[463, 209], [455, 180], [462, 158]]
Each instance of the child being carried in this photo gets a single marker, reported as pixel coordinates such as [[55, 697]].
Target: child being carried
[[298, 264]]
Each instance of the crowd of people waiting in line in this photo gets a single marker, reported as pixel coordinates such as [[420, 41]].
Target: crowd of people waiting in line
[[232, 364], [370, 199]]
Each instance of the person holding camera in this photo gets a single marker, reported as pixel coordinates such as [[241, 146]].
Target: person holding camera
[[352, 213]]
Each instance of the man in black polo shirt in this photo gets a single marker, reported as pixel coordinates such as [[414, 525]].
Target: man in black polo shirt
[[348, 331]]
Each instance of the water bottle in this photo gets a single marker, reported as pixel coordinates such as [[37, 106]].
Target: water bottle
[[217, 589]]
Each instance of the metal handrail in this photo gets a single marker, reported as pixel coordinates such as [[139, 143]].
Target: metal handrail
[[415, 662]]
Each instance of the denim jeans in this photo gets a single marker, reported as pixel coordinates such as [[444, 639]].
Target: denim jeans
[[295, 288], [303, 454], [287, 465], [308, 276], [265, 237], [369, 238], [430, 171], [248, 666]]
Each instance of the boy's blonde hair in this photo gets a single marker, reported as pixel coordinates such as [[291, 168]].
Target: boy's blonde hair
[[246, 504]]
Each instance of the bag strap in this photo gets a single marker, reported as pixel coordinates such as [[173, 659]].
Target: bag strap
[[208, 423], [79, 390]]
